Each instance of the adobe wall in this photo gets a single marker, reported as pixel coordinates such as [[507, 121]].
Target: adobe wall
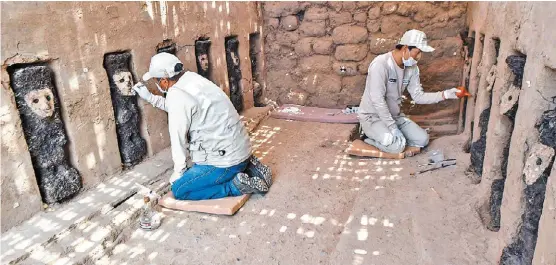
[[72, 39], [511, 127], [318, 53]]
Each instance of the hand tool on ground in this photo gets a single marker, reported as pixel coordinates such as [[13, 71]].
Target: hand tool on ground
[[432, 169], [433, 163]]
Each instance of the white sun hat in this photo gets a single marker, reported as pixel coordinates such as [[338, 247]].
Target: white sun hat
[[163, 65], [416, 38]]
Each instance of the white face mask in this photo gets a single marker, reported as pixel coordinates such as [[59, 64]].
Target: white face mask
[[409, 62], [160, 88]]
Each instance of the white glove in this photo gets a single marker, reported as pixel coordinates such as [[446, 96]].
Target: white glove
[[451, 93], [143, 91]]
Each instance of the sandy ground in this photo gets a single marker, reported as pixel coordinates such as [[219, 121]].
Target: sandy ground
[[328, 208]]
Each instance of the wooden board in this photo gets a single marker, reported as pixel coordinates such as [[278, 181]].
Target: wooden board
[[360, 148], [223, 206], [314, 114]]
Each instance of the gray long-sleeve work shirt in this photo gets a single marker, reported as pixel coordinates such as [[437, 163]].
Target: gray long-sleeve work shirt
[[384, 89], [203, 121]]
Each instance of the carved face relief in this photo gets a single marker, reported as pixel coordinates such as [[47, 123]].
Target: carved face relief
[[124, 83], [41, 102], [203, 61]]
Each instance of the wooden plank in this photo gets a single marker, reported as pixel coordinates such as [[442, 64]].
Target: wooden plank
[[360, 148], [223, 206]]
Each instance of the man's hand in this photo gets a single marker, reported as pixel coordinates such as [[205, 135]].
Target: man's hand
[[143, 91], [450, 93], [397, 135]]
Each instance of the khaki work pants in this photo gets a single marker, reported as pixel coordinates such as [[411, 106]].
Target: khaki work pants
[[375, 129]]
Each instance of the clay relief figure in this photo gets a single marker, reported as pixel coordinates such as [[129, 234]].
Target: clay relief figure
[[234, 73], [132, 146], [44, 132], [202, 48], [124, 82]]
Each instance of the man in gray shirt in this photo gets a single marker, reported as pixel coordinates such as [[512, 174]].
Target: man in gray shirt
[[389, 75], [203, 123]]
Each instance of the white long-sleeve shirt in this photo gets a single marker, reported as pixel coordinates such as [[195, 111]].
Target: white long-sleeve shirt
[[203, 121], [386, 82]]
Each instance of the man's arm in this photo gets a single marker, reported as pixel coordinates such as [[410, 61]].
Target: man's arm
[[180, 110], [144, 93], [376, 85], [159, 102], [418, 95]]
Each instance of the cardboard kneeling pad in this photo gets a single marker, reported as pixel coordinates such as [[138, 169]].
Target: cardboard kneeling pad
[[362, 149]]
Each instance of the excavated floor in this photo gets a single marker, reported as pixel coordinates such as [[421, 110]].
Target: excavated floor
[[327, 208]]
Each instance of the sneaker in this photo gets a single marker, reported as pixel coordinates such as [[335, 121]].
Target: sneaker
[[249, 185], [258, 170]]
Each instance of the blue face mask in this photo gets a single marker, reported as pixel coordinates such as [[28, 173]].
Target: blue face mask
[[409, 62]]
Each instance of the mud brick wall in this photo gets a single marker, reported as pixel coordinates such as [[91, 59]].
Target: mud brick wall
[[318, 53], [72, 38], [511, 118]]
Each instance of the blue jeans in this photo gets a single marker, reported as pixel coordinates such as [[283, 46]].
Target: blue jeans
[[202, 182]]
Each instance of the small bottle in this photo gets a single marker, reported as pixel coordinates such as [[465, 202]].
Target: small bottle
[[145, 221], [150, 219]]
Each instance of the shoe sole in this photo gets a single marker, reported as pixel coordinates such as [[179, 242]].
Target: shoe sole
[[259, 170], [256, 184]]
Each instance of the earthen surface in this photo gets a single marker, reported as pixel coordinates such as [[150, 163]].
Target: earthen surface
[[339, 210]]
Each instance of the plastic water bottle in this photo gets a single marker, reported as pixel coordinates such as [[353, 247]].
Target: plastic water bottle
[[150, 219]]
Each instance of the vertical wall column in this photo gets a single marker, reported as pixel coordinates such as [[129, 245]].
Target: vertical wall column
[[39, 109], [482, 111], [505, 95], [133, 147], [234, 72], [468, 48], [255, 55], [531, 160], [535, 175], [474, 77], [202, 53]]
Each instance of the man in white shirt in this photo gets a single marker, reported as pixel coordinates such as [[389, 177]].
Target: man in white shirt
[[203, 122], [389, 75]]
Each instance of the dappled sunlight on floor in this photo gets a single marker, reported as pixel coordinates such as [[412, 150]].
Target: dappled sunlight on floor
[[324, 207]]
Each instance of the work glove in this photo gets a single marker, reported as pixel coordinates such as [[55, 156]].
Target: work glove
[[397, 135], [451, 93], [143, 91]]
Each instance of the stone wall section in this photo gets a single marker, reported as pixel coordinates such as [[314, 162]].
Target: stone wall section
[[318, 53]]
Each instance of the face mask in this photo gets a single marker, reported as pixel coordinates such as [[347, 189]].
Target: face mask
[[409, 62], [159, 88]]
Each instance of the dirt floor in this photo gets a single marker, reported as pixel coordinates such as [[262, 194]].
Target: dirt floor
[[328, 208]]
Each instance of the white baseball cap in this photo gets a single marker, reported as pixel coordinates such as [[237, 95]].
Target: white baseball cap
[[416, 38], [163, 65]]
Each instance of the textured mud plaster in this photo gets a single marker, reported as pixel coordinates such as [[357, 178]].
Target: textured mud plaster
[[133, 147], [38, 106], [202, 50], [535, 175], [256, 65], [508, 107], [517, 64], [478, 147], [234, 72], [167, 46]]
